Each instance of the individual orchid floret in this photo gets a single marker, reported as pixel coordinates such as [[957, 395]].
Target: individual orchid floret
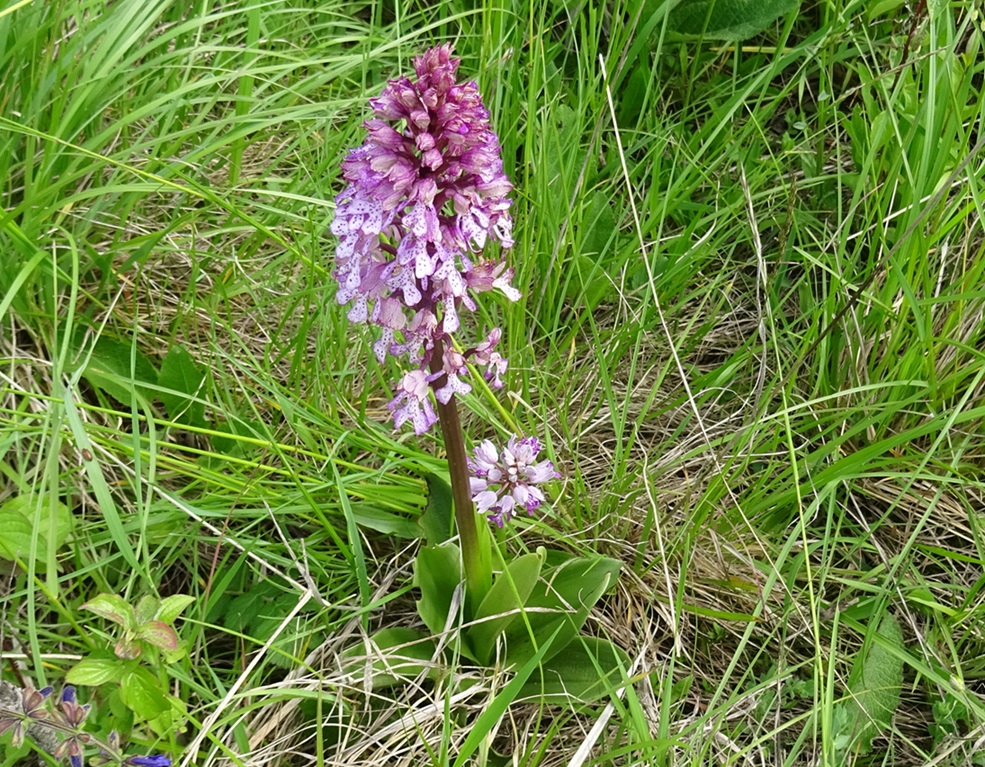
[[485, 355], [412, 403], [426, 192], [503, 482]]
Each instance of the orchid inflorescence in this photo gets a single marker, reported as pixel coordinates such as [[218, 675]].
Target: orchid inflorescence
[[63, 725], [426, 192], [503, 482]]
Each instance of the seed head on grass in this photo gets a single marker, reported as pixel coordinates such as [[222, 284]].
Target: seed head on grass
[[426, 193]]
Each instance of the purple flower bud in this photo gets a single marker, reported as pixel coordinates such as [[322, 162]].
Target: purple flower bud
[[34, 701], [503, 481], [73, 714], [426, 192]]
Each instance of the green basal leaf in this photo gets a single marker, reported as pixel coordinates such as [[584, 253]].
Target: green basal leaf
[[374, 518], [183, 380], [108, 367], [394, 656], [92, 672], [501, 605], [18, 527], [562, 600], [438, 519], [437, 573], [496, 709], [113, 608], [585, 670], [171, 607], [874, 688], [726, 19]]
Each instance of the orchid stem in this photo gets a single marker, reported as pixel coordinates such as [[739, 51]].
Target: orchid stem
[[476, 553]]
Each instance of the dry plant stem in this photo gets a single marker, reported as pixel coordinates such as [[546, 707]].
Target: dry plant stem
[[475, 546]]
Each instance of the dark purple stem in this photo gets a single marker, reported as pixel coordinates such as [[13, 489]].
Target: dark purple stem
[[475, 551]]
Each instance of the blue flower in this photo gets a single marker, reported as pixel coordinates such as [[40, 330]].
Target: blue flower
[[157, 760]]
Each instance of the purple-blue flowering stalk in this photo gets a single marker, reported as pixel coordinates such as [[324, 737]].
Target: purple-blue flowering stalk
[[426, 193], [64, 727]]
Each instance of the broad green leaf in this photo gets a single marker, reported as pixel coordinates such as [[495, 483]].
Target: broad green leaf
[[437, 573], [158, 634], [142, 694], [183, 381], [395, 655], [16, 533], [108, 368], [147, 609], [874, 687], [258, 612], [171, 721], [591, 281], [172, 606], [17, 526], [726, 19], [113, 608], [495, 710], [560, 602], [883, 8], [501, 605], [562, 144], [438, 519], [92, 672], [374, 518], [585, 670]]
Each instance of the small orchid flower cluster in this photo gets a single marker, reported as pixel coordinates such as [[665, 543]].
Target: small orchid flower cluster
[[503, 482], [425, 193], [59, 729]]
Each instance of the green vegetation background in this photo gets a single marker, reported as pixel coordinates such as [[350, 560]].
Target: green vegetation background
[[752, 339]]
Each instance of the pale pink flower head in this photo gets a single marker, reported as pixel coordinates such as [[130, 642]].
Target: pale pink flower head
[[507, 480], [426, 194]]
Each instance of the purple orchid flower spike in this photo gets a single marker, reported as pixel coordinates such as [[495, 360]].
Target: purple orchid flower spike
[[426, 193], [503, 482]]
